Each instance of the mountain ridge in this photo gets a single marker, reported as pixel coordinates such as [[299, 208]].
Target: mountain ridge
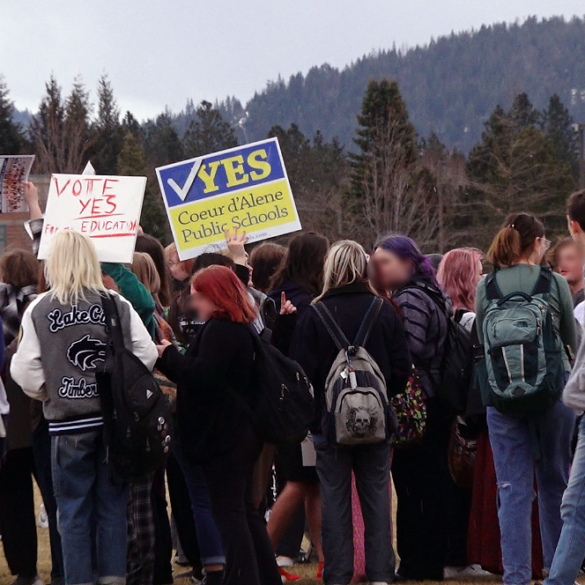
[[450, 85]]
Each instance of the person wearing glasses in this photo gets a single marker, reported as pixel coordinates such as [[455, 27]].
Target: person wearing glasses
[[528, 444]]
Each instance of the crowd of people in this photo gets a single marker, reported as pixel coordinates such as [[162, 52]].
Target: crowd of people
[[493, 487]]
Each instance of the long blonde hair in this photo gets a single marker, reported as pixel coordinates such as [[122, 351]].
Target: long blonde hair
[[73, 268], [346, 263]]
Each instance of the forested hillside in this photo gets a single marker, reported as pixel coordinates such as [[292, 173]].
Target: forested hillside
[[450, 86], [440, 143]]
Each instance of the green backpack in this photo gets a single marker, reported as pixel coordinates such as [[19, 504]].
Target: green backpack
[[523, 356]]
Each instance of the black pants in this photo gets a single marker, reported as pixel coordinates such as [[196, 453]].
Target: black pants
[[249, 555], [422, 481], [17, 512], [458, 525], [17, 507], [163, 544]]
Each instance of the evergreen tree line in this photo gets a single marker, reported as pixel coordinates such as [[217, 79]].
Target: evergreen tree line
[[391, 180], [450, 86]]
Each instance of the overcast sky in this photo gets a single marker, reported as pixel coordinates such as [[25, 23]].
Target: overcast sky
[[158, 53]]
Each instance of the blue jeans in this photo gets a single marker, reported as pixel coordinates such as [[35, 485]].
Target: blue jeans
[[513, 444], [371, 466], [91, 510], [208, 537], [41, 446], [571, 549]]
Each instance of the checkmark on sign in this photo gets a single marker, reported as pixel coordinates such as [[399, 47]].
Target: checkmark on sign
[[183, 191]]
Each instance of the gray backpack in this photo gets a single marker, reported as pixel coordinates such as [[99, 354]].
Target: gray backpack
[[357, 410], [523, 355]]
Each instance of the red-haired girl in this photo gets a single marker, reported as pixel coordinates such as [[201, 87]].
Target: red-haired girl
[[214, 383]]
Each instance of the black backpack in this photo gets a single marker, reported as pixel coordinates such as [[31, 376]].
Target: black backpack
[[284, 404], [457, 372], [137, 417], [457, 367]]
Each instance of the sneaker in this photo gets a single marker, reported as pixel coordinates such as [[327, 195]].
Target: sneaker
[[43, 518], [466, 573], [36, 580], [284, 562]]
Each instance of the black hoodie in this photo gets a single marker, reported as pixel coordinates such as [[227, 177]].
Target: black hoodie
[[314, 349]]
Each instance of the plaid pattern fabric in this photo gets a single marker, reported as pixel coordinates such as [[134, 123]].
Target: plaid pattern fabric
[[141, 534], [13, 302]]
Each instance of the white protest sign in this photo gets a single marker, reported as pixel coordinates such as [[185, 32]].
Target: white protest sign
[[88, 170], [107, 209]]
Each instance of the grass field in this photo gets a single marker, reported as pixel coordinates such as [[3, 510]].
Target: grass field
[[307, 571]]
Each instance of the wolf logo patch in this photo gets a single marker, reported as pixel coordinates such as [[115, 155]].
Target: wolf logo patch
[[86, 353]]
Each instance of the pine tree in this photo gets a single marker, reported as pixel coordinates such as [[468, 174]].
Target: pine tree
[[295, 148], [162, 143], [132, 162], [383, 118], [316, 170], [515, 168], [109, 134], [523, 112], [11, 136], [47, 130], [559, 127], [61, 132], [131, 124], [78, 126], [390, 190], [208, 132]]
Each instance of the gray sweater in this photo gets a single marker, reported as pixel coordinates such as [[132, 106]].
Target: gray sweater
[[59, 352]]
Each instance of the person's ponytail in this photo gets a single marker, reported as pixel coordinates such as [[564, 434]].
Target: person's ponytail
[[515, 240], [506, 248]]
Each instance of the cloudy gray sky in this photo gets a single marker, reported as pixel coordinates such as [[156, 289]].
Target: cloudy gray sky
[[160, 52]]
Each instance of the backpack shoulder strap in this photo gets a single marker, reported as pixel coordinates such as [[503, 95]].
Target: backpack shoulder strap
[[492, 289], [544, 283], [337, 335], [368, 322], [113, 321]]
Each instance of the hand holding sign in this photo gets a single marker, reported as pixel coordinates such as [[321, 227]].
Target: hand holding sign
[[31, 196], [236, 245]]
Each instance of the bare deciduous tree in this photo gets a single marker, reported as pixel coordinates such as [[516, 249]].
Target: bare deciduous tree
[[398, 194]]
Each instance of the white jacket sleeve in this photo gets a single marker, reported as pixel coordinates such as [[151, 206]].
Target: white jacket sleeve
[[26, 368], [142, 345]]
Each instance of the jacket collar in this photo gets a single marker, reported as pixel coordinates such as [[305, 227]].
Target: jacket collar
[[353, 288]]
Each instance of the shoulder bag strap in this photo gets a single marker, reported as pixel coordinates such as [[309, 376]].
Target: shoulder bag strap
[[113, 321], [492, 289], [368, 322], [544, 283], [337, 335]]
